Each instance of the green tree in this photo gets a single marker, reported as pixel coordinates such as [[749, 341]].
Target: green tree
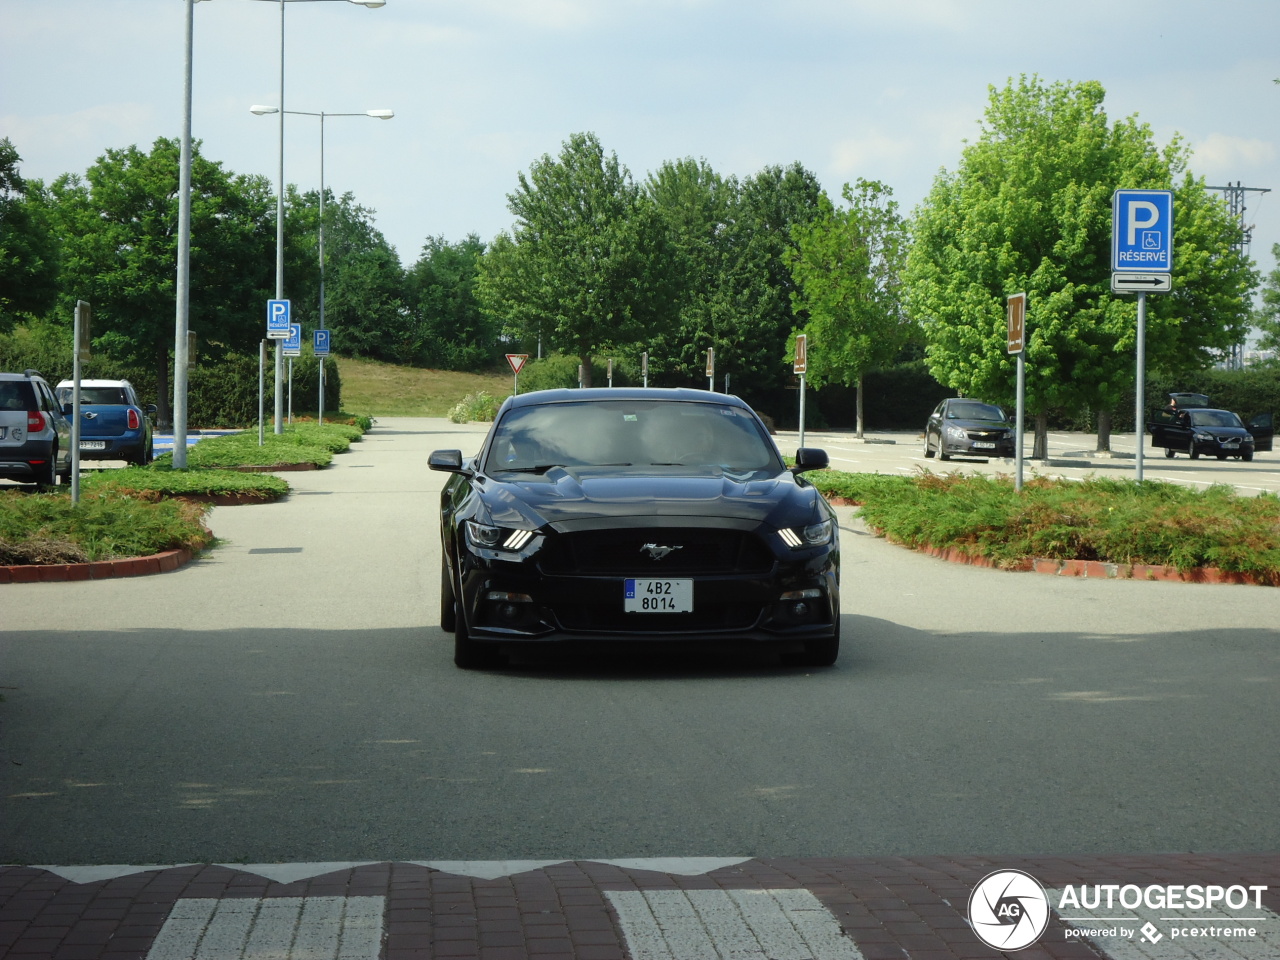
[[1268, 316], [587, 264], [450, 330], [28, 246], [119, 233], [363, 280], [1029, 209], [846, 267]]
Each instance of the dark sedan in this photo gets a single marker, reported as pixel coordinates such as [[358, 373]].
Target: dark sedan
[[611, 515], [968, 428], [1213, 433]]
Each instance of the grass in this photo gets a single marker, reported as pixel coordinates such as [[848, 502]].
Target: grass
[[138, 511], [385, 390], [49, 528], [1113, 521]]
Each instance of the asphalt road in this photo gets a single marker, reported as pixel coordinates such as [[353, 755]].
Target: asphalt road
[[291, 698]]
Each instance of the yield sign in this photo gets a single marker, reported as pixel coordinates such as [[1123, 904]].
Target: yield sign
[[517, 361]]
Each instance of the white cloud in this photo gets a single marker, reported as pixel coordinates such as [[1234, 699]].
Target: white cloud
[[852, 156], [1221, 153]]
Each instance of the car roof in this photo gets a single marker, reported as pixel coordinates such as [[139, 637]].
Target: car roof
[[676, 394], [28, 375], [94, 383]]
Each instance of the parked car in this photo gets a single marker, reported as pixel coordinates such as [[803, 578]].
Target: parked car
[[635, 515], [113, 425], [1210, 432], [35, 437], [959, 427]]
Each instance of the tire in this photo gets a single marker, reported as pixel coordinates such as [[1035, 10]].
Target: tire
[[1193, 453], [1222, 456], [1168, 452], [1246, 457], [818, 653], [928, 451], [448, 608], [942, 450], [468, 654], [48, 476]]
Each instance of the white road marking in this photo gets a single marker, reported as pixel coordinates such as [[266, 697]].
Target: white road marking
[[729, 925], [280, 928], [1153, 934]]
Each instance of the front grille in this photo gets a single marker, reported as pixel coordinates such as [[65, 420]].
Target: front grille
[[705, 551]]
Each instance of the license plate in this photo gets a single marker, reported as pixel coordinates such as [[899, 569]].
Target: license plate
[[1231, 445], [657, 596], [984, 445], [93, 444]]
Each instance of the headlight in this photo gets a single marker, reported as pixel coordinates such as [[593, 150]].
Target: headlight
[[1203, 437], [496, 538], [955, 433], [815, 534]]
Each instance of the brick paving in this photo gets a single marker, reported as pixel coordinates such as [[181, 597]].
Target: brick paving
[[885, 908]]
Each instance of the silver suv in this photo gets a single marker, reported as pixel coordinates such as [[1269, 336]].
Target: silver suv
[[35, 436]]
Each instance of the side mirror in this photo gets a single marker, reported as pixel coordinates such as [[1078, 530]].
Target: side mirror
[[449, 461], [810, 458], [68, 409]]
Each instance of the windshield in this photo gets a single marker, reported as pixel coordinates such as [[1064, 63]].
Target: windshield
[[102, 396], [631, 433], [975, 411], [1214, 418]]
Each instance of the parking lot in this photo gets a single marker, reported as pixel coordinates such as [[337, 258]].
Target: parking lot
[[1071, 455]]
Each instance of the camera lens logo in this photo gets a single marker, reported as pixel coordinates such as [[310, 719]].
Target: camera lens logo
[[1008, 910]]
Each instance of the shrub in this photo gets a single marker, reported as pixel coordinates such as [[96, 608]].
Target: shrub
[[475, 406]]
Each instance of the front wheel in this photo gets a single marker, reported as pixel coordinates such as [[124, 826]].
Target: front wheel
[[1168, 453], [1193, 453], [1246, 457], [448, 608], [928, 450]]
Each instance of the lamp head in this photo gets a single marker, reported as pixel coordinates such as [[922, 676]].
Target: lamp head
[[260, 110], [381, 114]]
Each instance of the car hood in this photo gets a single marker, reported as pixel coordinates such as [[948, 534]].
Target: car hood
[[562, 498], [1240, 432]]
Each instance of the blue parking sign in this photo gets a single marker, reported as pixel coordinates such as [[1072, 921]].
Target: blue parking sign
[[277, 319], [293, 343], [321, 343], [1142, 231]]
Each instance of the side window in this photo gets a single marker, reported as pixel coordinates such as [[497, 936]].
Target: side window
[[48, 403]]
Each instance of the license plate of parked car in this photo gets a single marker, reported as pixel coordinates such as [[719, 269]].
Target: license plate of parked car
[[984, 444], [657, 596], [93, 444]]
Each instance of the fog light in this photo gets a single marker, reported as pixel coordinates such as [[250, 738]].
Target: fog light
[[502, 595], [800, 611]]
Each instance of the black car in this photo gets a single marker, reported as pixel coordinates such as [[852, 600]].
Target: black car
[[960, 427], [608, 515], [1213, 433]]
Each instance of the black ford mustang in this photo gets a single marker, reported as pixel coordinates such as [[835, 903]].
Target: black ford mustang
[[635, 514]]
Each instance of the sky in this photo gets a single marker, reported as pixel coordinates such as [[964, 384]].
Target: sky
[[887, 90]]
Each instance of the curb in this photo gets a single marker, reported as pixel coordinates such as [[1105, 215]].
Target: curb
[[165, 562], [277, 468]]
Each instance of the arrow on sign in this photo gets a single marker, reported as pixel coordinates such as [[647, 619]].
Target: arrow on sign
[[1140, 282]]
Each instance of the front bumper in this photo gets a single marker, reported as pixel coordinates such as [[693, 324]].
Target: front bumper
[[794, 599]]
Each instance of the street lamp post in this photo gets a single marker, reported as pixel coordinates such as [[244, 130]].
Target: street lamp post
[[279, 377], [261, 110]]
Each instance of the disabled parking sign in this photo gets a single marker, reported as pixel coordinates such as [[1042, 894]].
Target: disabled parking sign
[[1142, 231]]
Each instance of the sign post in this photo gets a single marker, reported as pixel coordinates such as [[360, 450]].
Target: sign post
[[1141, 263], [516, 360], [644, 368], [711, 368], [292, 348], [1016, 314], [320, 345], [798, 367], [80, 353], [610, 373]]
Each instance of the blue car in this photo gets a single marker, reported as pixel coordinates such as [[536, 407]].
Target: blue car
[[113, 426]]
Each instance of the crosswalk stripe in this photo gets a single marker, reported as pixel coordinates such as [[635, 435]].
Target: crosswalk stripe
[[730, 925], [273, 928]]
